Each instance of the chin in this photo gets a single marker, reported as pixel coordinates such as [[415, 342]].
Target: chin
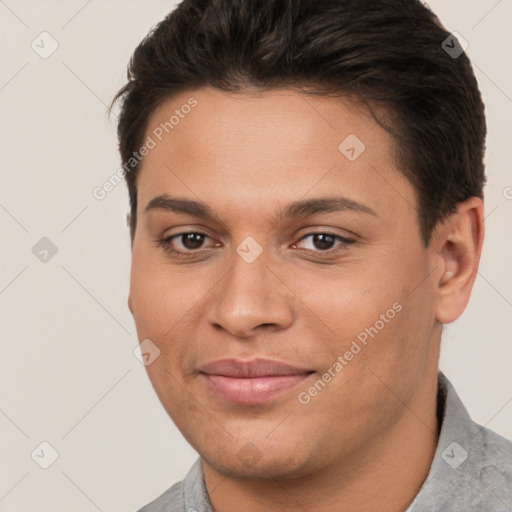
[[246, 461]]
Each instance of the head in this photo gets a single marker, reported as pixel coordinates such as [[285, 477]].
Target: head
[[329, 182]]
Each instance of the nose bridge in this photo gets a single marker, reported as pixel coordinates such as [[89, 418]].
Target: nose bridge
[[249, 295]]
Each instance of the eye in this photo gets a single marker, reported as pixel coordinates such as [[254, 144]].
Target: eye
[[323, 242], [183, 243]]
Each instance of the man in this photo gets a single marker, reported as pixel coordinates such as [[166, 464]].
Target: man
[[306, 185]]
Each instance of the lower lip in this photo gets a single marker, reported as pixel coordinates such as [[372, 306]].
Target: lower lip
[[252, 390]]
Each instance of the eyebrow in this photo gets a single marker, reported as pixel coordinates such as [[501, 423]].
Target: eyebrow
[[297, 209]]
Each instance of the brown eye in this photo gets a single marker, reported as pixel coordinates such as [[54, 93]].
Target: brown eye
[[189, 243], [192, 240], [323, 242]]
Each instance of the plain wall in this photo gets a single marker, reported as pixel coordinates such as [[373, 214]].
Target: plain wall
[[68, 374]]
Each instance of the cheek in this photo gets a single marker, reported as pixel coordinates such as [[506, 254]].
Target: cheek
[[347, 299], [162, 296], [379, 306]]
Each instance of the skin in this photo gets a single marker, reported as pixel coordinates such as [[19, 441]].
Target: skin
[[366, 440]]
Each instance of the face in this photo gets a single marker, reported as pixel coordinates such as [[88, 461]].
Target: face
[[278, 267]]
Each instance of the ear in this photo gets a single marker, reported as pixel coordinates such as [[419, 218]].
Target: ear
[[458, 245]]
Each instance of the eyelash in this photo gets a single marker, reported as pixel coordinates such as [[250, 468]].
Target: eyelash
[[165, 243]]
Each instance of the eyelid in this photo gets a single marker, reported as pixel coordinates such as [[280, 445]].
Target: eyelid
[[343, 241], [166, 243], [168, 238]]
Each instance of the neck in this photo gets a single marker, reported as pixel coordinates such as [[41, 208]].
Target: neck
[[385, 475]]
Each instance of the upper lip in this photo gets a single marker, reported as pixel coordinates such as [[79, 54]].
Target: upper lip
[[238, 368]]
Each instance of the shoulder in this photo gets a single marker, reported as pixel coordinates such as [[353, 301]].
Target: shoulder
[[188, 495], [496, 463], [477, 472], [472, 466], [169, 501]]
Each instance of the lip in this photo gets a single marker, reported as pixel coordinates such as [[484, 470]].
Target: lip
[[251, 382]]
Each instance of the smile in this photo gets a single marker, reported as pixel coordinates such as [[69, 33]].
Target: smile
[[251, 382]]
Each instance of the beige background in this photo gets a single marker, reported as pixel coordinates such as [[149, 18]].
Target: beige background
[[68, 374]]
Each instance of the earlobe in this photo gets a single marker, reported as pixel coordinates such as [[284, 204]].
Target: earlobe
[[460, 240]]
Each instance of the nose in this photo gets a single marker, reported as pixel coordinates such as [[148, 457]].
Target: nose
[[250, 297]]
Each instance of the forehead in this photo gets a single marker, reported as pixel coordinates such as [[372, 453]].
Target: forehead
[[279, 123], [275, 144]]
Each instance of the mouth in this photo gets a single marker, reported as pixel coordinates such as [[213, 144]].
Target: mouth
[[251, 382]]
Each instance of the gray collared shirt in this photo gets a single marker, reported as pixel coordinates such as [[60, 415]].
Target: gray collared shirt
[[471, 470]]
